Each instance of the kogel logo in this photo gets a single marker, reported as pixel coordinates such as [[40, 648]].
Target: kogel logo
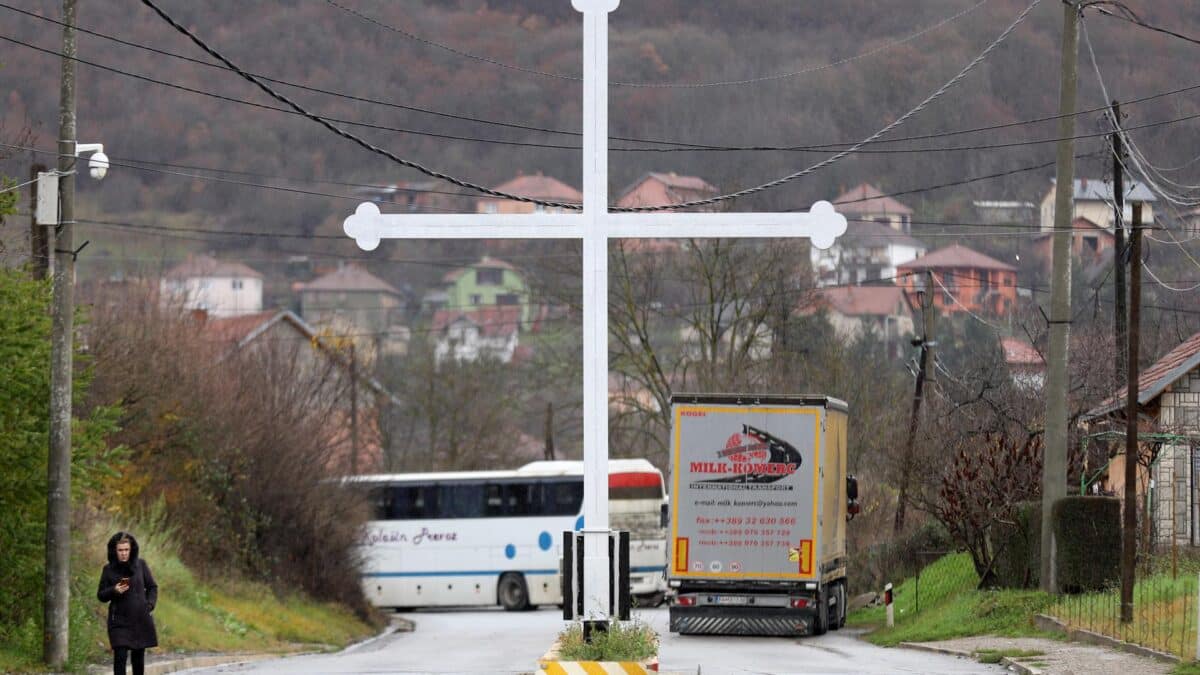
[[752, 456]]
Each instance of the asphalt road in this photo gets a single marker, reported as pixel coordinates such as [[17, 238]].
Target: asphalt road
[[494, 641]]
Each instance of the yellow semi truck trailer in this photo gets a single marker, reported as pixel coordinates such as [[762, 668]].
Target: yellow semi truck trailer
[[760, 500]]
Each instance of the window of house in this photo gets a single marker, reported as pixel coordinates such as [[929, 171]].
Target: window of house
[[237, 284], [507, 299], [489, 276], [1189, 417], [476, 298], [1091, 244]]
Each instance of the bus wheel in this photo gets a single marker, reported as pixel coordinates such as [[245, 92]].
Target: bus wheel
[[514, 595]]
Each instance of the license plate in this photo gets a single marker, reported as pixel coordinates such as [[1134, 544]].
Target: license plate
[[732, 600]]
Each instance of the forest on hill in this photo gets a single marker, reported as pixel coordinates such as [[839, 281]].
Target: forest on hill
[[810, 73]]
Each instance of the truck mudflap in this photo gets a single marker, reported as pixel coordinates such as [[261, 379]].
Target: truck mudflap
[[776, 621]]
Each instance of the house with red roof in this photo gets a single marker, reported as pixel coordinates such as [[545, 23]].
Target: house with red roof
[[217, 287], [533, 186], [1168, 404], [474, 333], [961, 280], [867, 203], [663, 189], [655, 188], [856, 310]]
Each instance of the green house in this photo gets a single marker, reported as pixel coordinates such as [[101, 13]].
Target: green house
[[486, 283]]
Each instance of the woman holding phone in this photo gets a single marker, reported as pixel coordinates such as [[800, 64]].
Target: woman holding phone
[[129, 589]]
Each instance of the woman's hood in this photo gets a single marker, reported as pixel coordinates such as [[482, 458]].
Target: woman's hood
[[112, 548]]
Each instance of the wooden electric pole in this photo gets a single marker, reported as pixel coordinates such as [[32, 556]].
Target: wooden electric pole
[[548, 449], [1054, 465], [58, 492], [1129, 525], [1118, 241], [926, 298], [353, 410]]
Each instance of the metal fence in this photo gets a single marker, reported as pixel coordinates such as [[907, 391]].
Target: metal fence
[[936, 576], [1164, 613]]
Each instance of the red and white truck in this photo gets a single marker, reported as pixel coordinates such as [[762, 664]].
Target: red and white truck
[[760, 500]]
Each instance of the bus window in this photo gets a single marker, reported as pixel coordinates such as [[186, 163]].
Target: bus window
[[380, 499], [410, 502], [465, 500], [522, 499], [562, 498]]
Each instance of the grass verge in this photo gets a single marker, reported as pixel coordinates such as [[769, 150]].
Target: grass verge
[[623, 641], [943, 602], [193, 615]]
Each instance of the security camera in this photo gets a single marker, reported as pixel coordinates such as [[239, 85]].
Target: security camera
[[98, 165]]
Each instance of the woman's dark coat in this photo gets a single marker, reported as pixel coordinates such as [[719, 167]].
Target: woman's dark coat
[[129, 622]]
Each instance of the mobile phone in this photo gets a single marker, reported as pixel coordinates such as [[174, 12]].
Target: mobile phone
[[123, 580]]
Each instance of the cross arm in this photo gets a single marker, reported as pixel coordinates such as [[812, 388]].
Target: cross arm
[[822, 225], [367, 226]]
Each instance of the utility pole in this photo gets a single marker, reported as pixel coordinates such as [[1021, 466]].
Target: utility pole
[[353, 410], [1054, 465], [1118, 240], [58, 493], [1129, 526], [926, 298]]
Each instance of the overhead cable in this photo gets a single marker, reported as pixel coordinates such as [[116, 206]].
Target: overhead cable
[[815, 167], [345, 134]]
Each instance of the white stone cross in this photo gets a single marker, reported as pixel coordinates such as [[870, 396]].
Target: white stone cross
[[595, 225]]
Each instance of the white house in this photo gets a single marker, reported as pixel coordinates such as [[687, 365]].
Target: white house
[[869, 251], [468, 335], [1093, 199], [222, 289]]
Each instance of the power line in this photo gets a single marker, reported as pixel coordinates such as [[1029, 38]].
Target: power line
[[815, 167], [1129, 16], [345, 134], [266, 78], [841, 203], [671, 146]]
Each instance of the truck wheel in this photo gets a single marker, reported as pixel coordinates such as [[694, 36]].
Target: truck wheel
[[512, 592], [839, 616], [821, 622]]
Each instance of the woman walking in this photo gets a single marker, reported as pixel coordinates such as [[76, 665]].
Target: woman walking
[[129, 589]]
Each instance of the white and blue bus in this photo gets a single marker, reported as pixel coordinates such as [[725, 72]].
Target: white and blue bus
[[495, 537]]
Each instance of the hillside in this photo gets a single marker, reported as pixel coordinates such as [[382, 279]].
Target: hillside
[[323, 46]]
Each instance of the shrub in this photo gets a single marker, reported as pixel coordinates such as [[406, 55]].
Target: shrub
[[1018, 549], [628, 641], [1087, 533]]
